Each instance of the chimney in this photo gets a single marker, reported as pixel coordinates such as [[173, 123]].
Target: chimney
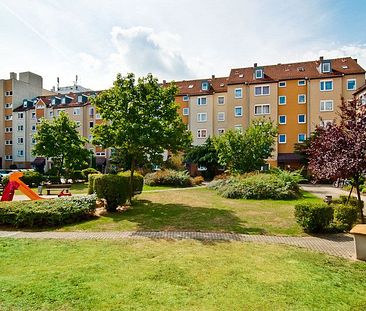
[[355, 59], [255, 65], [213, 77], [321, 58], [164, 82], [13, 75]]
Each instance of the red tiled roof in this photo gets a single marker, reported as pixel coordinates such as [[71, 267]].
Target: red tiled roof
[[360, 89], [301, 70]]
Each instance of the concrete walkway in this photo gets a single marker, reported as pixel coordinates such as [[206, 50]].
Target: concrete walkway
[[322, 190], [340, 245]]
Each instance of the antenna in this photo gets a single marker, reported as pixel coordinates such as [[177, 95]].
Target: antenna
[[76, 82], [58, 83]]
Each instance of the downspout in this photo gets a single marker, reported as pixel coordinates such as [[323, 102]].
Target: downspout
[[308, 108]]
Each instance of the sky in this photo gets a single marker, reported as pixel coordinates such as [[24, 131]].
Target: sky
[[173, 40]]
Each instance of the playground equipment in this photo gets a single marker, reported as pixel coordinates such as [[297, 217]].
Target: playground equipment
[[14, 184]]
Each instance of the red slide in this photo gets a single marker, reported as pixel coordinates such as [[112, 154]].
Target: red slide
[[9, 191]]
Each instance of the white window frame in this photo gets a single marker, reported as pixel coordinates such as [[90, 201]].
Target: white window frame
[[218, 100], [8, 117], [185, 98], [282, 135], [20, 128], [326, 70], [34, 128], [204, 86], [76, 111], [241, 92], [301, 82], [220, 131], [324, 81], [221, 113], [261, 87], [279, 119], [239, 127], [200, 99], [238, 115], [323, 103], [185, 111], [202, 117], [298, 118], [8, 142], [33, 115], [324, 123], [200, 133], [348, 80], [258, 70], [97, 116], [279, 100], [283, 84], [298, 99], [51, 113], [8, 157], [298, 138], [20, 153], [262, 106], [20, 115], [8, 105], [20, 140], [8, 93], [91, 111], [8, 130]]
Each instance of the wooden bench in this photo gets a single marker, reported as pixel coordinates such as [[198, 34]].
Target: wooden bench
[[58, 187], [1, 189], [359, 233]]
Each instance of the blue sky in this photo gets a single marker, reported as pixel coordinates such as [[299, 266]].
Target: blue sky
[[172, 39]]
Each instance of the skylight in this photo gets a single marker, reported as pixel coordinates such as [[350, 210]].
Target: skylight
[[190, 86]]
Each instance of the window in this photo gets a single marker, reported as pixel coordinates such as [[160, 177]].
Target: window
[[20, 140], [326, 105], [20, 153], [8, 93], [238, 93], [201, 101], [202, 133], [91, 124], [8, 157], [202, 117], [351, 84], [259, 73], [282, 84], [33, 115], [238, 110], [185, 98], [190, 86], [97, 116], [34, 127], [185, 111], [20, 128], [301, 138], [201, 168], [78, 123], [20, 115], [221, 100], [9, 117], [326, 67], [261, 109], [282, 100], [282, 119], [8, 142], [100, 153], [33, 141], [221, 116], [51, 114], [261, 90], [91, 111], [204, 86], [9, 105], [326, 85], [59, 111], [301, 82], [301, 118], [239, 128], [282, 138], [325, 123], [76, 112], [301, 98], [221, 131], [8, 129]]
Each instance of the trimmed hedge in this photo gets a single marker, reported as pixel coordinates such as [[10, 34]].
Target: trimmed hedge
[[138, 180], [169, 178], [91, 178], [46, 213], [314, 217], [345, 216], [86, 172]]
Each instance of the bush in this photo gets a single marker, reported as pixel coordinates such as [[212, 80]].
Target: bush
[[314, 217], [46, 213], [198, 180], [345, 216], [353, 201], [138, 180], [75, 175], [169, 178], [53, 179], [86, 172], [112, 188], [91, 178], [30, 178]]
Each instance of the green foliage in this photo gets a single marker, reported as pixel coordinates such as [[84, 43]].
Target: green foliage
[[85, 172], [343, 199], [258, 186], [138, 180], [75, 175], [60, 140], [345, 216], [30, 178], [46, 213], [314, 217], [53, 179], [169, 178], [175, 162], [91, 178], [113, 188], [198, 180]]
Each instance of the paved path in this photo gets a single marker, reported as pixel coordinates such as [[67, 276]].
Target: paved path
[[340, 245], [323, 190]]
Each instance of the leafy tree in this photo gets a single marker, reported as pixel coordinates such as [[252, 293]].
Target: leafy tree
[[204, 155], [141, 120], [60, 140], [246, 151], [339, 150]]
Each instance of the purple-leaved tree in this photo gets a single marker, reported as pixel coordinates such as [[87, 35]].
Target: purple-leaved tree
[[339, 150]]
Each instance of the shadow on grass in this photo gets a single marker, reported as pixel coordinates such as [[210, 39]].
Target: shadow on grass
[[151, 216]]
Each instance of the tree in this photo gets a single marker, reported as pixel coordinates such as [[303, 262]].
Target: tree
[[60, 140], [246, 151], [339, 150], [204, 155], [141, 120]]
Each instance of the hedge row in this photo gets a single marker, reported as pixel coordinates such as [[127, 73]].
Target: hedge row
[[46, 213], [169, 178]]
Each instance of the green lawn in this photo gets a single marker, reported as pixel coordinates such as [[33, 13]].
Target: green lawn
[[200, 210], [174, 275]]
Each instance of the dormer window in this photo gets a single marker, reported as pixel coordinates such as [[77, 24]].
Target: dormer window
[[80, 99], [25, 104], [326, 67], [63, 100], [204, 86], [259, 73]]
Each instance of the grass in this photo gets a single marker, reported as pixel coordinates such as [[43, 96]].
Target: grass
[[174, 275], [200, 210]]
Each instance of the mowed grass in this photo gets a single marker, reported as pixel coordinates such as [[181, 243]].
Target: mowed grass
[[174, 275], [200, 210]]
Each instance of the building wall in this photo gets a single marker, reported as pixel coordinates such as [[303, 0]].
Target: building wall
[[223, 108], [232, 102], [194, 125]]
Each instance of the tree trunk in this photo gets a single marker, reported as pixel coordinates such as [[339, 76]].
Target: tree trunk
[[131, 191], [360, 203], [350, 193], [60, 168]]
